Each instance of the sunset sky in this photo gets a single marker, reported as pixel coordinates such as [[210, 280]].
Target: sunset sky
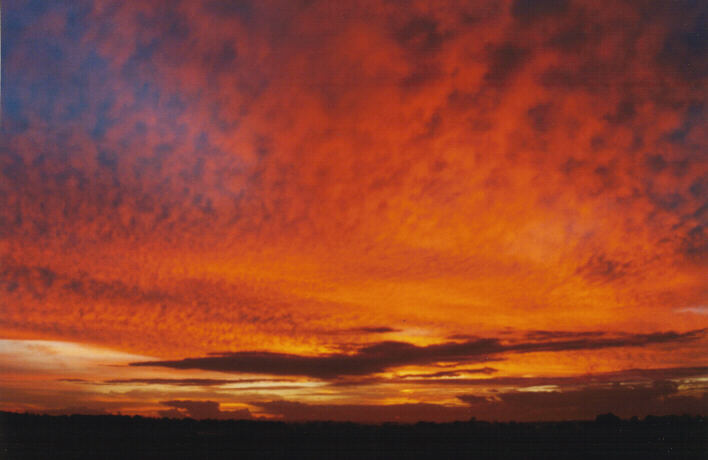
[[354, 210]]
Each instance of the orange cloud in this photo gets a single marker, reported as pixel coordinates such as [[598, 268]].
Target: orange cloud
[[180, 179]]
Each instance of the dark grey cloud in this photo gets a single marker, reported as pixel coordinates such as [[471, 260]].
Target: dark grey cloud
[[362, 330], [624, 112], [546, 335], [541, 117], [421, 75], [378, 357], [189, 382], [240, 9], [624, 376], [453, 373], [421, 35], [601, 268], [375, 330], [695, 244], [531, 10], [657, 398], [367, 360], [685, 50], [505, 61], [616, 377], [586, 75], [623, 340], [202, 410], [40, 281]]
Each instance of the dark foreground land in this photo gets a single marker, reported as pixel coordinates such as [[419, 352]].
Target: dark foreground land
[[122, 437]]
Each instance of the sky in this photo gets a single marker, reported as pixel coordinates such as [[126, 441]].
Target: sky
[[371, 210]]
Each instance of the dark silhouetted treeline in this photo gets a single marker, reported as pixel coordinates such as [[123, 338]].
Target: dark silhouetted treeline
[[124, 437]]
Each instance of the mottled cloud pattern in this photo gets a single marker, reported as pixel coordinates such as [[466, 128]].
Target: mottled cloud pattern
[[332, 190]]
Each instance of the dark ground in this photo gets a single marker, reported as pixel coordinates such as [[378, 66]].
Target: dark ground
[[24, 436]]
